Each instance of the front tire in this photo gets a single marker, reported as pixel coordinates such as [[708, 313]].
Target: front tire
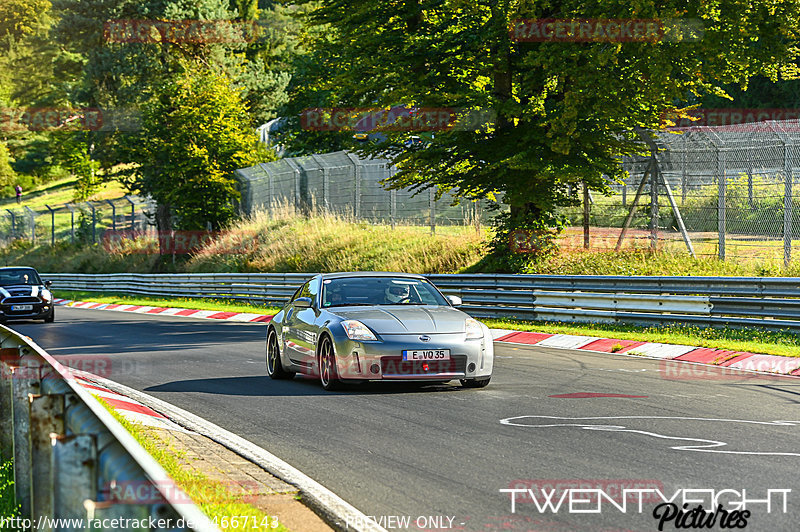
[[328, 375], [50, 318], [475, 383], [274, 366]]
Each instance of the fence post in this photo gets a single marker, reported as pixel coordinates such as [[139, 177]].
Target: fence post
[[684, 183], [624, 194], [787, 204], [71, 222], [94, 221], [432, 201], [357, 199], [113, 215], [393, 206], [133, 211], [13, 222], [654, 204], [586, 210], [722, 182], [52, 224], [32, 214]]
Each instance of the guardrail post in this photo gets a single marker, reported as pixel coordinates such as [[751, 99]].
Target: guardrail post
[[7, 355], [74, 465], [24, 381], [46, 417], [106, 511]]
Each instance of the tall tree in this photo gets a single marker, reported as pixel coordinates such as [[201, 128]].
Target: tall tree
[[562, 112], [195, 134]]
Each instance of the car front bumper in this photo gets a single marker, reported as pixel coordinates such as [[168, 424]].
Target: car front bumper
[[39, 312], [383, 360]]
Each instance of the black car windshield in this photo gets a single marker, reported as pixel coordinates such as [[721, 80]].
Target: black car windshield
[[352, 291], [17, 276]]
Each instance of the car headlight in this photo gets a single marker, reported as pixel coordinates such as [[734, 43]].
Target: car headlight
[[46, 295], [357, 331], [473, 328]]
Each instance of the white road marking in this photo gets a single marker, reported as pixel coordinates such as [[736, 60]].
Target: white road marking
[[705, 446]]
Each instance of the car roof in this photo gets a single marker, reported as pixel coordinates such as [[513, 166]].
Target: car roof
[[339, 275]]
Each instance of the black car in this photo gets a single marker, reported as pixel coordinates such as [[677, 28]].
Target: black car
[[24, 296]]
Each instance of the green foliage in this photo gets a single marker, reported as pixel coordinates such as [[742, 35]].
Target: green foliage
[[19, 18], [563, 112], [195, 133], [8, 503], [7, 174]]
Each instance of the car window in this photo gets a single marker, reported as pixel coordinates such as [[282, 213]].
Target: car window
[[19, 276], [296, 293], [353, 291]]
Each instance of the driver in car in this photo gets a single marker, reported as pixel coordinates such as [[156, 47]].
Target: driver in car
[[397, 293]]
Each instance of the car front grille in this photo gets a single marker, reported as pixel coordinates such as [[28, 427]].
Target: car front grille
[[397, 366], [21, 300]]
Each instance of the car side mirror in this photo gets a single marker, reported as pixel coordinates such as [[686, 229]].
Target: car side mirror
[[48, 283], [454, 300], [302, 302]]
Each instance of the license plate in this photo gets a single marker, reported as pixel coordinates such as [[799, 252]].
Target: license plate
[[426, 354], [21, 307]]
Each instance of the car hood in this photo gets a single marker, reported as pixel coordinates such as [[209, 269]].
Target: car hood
[[20, 290], [413, 319]]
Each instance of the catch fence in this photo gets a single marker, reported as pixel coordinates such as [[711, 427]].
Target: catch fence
[[733, 188], [76, 222], [342, 183]]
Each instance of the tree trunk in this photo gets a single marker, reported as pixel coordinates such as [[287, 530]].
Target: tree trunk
[[164, 227]]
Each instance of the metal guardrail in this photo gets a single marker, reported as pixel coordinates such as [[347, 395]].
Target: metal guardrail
[[73, 459], [766, 302]]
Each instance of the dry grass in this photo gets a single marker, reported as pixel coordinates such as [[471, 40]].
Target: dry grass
[[285, 242]]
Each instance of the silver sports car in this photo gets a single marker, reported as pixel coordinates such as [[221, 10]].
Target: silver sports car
[[365, 326]]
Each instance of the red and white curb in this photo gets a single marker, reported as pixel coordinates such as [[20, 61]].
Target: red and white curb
[[128, 408], [740, 360], [246, 317]]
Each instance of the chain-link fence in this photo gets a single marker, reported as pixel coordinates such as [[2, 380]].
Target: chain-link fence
[[345, 184], [728, 191], [76, 222]]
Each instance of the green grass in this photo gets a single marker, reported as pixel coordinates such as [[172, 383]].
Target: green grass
[[190, 303], [8, 502], [211, 496], [783, 343]]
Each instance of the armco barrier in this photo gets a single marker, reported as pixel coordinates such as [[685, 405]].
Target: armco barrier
[[70, 454], [766, 302]]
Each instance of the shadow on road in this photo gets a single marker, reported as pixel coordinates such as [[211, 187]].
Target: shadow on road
[[263, 386]]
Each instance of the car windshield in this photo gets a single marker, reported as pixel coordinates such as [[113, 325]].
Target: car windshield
[[17, 276], [352, 291]]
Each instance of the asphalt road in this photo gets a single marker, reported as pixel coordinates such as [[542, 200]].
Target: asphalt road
[[400, 451]]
